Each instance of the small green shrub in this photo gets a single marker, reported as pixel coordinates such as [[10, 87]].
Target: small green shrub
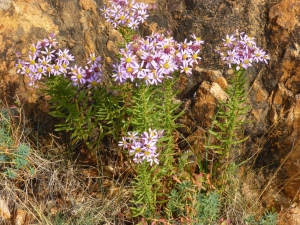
[[185, 201], [13, 158], [269, 218]]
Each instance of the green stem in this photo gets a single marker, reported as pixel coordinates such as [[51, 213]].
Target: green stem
[[233, 115], [169, 121], [144, 100]]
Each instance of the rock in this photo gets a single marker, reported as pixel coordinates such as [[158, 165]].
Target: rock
[[22, 217], [88, 5], [284, 14], [290, 216], [210, 75], [273, 115], [79, 26], [5, 4], [204, 105], [280, 94], [4, 210], [218, 92], [261, 95]]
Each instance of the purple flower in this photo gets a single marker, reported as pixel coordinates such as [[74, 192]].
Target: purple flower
[[119, 74], [241, 51], [51, 41], [155, 58], [32, 61], [49, 53], [229, 41], [34, 50], [93, 59], [153, 159], [44, 61], [56, 69], [78, 76], [64, 56], [143, 147], [20, 65], [40, 70], [126, 14], [124, 143], [94, 81], [136, 149]]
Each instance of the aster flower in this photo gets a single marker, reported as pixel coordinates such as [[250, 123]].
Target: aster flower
[[185, 68], [138, 160], [49, 53], [34, 50], [153, 159], [119, 74], [94, 81], [124, 143], [64, 67], [125, 13], [241, 51], [51, 41], [229, 40], [133, 24], [26, 71], [20, 65], [142, 15], [56, 69], [39, 71], [155, 58], [142, 147], [198, 40], [168, 66], [32, 61], [132, 136], [44, 61], [129, 60], [64, 56], [78, 76], [136, 149], [93, 59], [195, 57]]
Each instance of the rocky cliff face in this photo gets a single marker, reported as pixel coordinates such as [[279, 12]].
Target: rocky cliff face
[[275, 88]]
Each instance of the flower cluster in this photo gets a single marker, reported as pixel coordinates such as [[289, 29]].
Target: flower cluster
[[143, 147], [155, 58], [45, 60], [90, 75], [125, 13], [241, 50]]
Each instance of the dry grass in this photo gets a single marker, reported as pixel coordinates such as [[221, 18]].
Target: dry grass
[[62, 192], [59, 191], [254, 191]]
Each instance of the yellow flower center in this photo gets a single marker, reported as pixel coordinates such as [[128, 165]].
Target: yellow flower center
[[129, 70], [195, 56], [166, 65], [122, 17], [147, 153]]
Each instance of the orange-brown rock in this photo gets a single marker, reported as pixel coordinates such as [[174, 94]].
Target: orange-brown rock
[[276, 87]]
